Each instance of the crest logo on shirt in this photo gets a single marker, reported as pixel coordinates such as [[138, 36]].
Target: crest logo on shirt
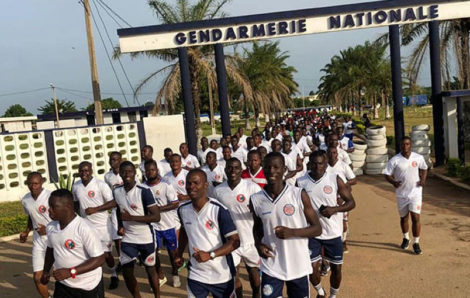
[[217, 177], [210, 224], [69, 244], [181, 182], [42, 209], [133, 206], [267, 290], [188, 163], [91, 194], [157, 192], [241, 198], [414, 164], [288, 209], [327, 189]]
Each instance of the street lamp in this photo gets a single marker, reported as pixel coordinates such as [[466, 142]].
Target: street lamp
[[55, 105]]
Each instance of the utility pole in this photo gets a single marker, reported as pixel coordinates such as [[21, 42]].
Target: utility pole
[[55, 105], [94, 71]]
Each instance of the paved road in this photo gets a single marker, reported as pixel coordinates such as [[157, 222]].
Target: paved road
[[375, 266]]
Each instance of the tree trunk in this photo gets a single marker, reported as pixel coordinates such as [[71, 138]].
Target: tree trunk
[[247, 113], [211, 107], [376, 110], [387, 108], [196, 99], [256, 108]]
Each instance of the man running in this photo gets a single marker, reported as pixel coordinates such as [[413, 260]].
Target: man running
[[137, 210], [255, 172], [36, 206], [75, 250], [344, 171], [188, 160], [407, 172], [211, 234], [166, 230], [94, 198], [235, 194], [201, 154], [215, 173], [177, 177], [283, 221], [323, 189]]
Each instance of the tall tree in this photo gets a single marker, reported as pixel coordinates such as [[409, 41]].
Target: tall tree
[[16, 110], [200, 58], [107, 103], [64, 106]]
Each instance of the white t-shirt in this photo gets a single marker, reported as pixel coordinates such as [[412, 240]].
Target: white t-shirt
[[343, 156], [190, 161], [208, 230], [291, 256], [201, 155], [302, 146], [347, 127], [178, 182], [324, 192], [220, 153], [135, 202], [217, 175], [237, 201], [164, 167], [291, 163], [407, 172], [75, 244], [342, 170], [164, 194], [113, 180], [37, 210], [242, 155], [94, 194]]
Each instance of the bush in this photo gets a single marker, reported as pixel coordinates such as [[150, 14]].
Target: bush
[[453, 167], [12, 218]]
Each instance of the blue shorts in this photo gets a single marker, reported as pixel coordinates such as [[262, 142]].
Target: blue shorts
[[272, 287], [201, 290], [333, 250], [131, 251], [167, 237]]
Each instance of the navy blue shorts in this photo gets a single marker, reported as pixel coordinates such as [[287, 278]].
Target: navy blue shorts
[[272, 287], [131, 251], [333, 250], [167, 237], [201, 290]]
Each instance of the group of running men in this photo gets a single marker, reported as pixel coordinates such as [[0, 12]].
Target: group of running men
[[273, 200]]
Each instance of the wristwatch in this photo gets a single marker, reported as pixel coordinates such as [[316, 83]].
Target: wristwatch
[[212, 255], [73, 272]]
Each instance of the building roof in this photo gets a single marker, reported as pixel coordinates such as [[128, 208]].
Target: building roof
[[80, 114]]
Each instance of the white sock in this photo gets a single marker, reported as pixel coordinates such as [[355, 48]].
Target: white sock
[[333, 292], [406, 235], [415, 240], [112, 271], [319, 289]]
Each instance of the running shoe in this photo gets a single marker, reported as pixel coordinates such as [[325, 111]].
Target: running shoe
[[176, 281], [417, 249], [405, 244], [114, 282], [163, 281]]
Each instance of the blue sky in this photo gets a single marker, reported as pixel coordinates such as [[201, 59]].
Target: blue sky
[[44, 42]]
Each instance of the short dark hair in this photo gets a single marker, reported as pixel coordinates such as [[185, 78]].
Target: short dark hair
[[148, 146], [233, 159], [197, 171], [115, 153], [176, 155], [32, 174], [274, 155], [150, 162], [254, 152], [126, 164], [85, 163], [62, 194], [211, 153], [167, 150], [317, 154]]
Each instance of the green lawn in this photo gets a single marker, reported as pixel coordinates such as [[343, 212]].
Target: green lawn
[[12, 218]]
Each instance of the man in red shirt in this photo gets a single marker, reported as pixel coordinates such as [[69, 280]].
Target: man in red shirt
[[254, 172]]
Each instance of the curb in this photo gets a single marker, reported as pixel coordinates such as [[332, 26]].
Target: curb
[[456, 183], [9, 238]]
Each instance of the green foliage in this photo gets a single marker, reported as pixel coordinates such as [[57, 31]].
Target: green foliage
[[107, 103], [65, 182], [454, 167], [64, 106], [12, 218], [16, 110]]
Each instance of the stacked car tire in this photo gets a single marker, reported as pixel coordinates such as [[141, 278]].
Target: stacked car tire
[[358, 157], [420, 142], [377, 152]]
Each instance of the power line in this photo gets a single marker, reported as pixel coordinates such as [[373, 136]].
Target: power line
[[107, 54], [103, 92], [109, 14], [115, 13], [118, 58], [24, 92]]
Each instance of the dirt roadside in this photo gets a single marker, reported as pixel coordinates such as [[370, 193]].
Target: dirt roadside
[[374, 267]]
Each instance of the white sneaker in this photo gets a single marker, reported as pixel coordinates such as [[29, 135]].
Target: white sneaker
[[163, 281], [176, 281]]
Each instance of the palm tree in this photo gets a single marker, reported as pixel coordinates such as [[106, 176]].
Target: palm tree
[[200, 58], [271, 79], [455, 49]]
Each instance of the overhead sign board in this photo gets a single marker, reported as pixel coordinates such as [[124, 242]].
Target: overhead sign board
[[294, 23]]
